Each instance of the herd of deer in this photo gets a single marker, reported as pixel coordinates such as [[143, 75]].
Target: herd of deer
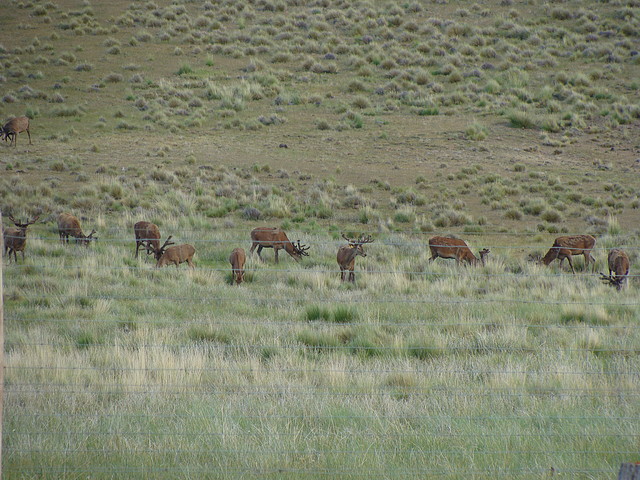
[[147, 235]]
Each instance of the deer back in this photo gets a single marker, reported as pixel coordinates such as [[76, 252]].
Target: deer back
[[575, 244], [147, 231], [618, 262], [177, 253], [269, 236], [16, 125], [237, 258], [69, 225], [447, 247]]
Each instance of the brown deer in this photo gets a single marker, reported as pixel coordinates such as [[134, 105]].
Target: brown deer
[[69, 226], [347, 254], [565, 247], [15, 238], [237, 260], [273, 237], [447, 247], [147, 233], [174, 255], [618, 264], [13, 127]]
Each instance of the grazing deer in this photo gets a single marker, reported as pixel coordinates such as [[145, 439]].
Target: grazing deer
[[15, 238], [174, 255], [147, 233], [565, 247], [273, 237], [447, 247], [69, 226], [237, 260], [347, 254], [618, 264], [13, 127]]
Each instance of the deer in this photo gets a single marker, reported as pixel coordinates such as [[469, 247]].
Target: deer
[[567, 246], [147, 233], [174, 255], [274, 237], [237, 260], [13, 127], [347, 254], [619, 263], [447, 247], [69, 226], [15, 238]]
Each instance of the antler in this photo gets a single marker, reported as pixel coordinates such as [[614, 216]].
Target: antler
[[364, 239], [607, 278], [167, 243], [302, 249], [18, 224], [361, 241]]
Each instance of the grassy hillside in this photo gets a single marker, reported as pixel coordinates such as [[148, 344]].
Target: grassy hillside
[[505, 123]]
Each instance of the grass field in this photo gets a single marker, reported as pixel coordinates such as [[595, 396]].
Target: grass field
[[506, 123]]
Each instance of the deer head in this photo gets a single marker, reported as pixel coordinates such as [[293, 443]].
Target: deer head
[[158, 253], [357, 244], [483, 254], [301, 249], [614, 281]]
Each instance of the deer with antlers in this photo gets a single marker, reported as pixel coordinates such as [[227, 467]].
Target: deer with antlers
[[174, 255], [147, 235], [567, 246], [15, 238], [274, 237], [237, 260], [347, 254], [69, 226], [447, 247], [13, 127], [619, 263]]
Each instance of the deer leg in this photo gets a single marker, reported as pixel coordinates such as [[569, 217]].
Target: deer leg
[[570, 264], [352, 276], [29, 136], [191, 265], [260, 247], [275, 250]]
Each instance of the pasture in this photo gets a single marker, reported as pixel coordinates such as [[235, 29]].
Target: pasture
[[505, 123]]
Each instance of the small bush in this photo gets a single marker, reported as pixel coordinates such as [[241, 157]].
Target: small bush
[[314, 312]]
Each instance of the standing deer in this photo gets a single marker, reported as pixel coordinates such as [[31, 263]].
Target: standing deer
[[237, 260], [13, 127], [174, 255], [347, 254], [15, 238], [447, 247], [565, 247], [273, 237], [69, 226], [147, 233], [618, 264]]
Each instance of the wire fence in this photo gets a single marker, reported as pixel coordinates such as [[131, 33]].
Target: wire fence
[[196, 379]]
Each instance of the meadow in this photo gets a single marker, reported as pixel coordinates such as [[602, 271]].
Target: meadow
[[506, 123]]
